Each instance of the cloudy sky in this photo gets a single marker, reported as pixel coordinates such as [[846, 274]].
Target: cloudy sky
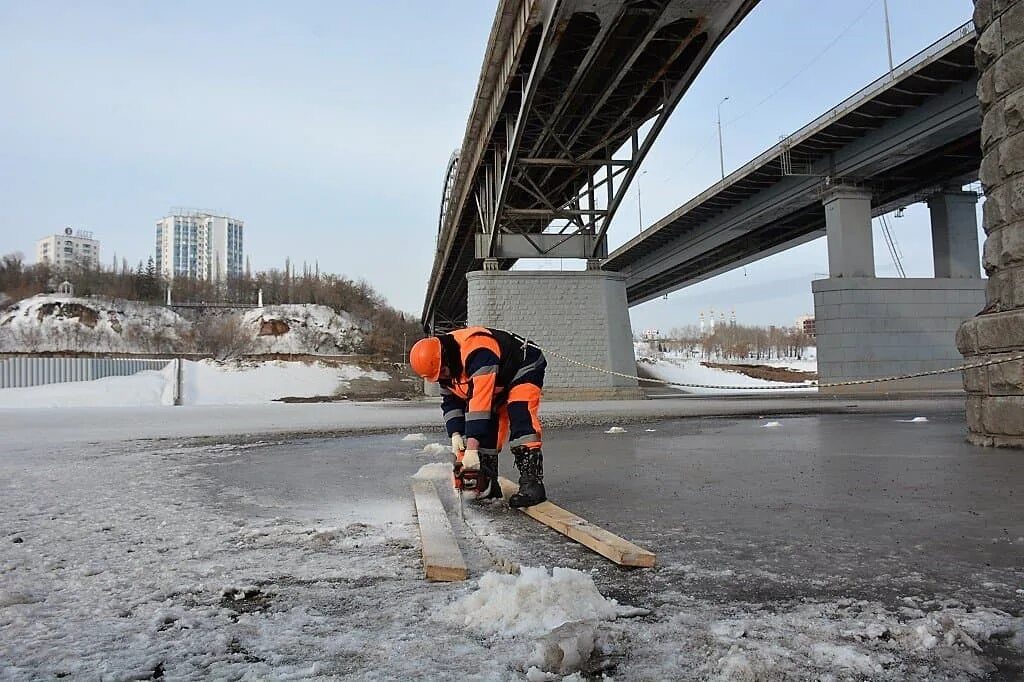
[[326, 127]]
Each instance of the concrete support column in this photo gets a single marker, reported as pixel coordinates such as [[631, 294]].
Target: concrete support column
[[995, 403], [848, 229], [582, 315], [955, 234]]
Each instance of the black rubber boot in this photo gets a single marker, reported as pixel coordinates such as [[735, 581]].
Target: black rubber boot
[[530, 462], [489, 476]]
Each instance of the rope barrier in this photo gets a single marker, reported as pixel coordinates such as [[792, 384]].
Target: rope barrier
[[810, 384]]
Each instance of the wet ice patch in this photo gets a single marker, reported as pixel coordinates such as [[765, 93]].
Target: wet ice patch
[[414, 438], [616, 429], [915, 420], [434, 471], [436, 448]]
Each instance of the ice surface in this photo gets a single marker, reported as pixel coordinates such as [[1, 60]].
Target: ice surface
[[123, 559]]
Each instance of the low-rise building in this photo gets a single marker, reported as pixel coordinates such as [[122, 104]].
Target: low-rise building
[[70, 249]]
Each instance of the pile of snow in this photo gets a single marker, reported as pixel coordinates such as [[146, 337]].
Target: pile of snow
[[534, 602], [414, 437], [690, 371], [205, 383], [143, 388], [561, 610], [53, 322], [302, 329], [435, 471], [437, 449], [238, 383]]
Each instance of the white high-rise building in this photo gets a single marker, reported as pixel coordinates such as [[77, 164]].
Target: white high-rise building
[[73, 247], [199, 244]]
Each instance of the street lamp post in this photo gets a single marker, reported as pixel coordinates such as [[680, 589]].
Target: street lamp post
[[721, 152], [888, 34], [639, 209]]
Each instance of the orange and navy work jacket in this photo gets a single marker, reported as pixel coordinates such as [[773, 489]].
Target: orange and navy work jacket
[[490, 358]]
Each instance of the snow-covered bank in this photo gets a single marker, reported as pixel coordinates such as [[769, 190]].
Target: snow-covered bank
[[211, 383], [690, 371], [144, 388], [205, 383]]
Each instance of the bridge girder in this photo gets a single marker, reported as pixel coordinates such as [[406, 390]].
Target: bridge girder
[[572, 96]]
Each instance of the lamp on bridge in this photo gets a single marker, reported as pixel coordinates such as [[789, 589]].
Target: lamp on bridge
[[721, 153]]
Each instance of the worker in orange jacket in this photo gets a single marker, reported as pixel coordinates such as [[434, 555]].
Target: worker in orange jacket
[[491, 384]]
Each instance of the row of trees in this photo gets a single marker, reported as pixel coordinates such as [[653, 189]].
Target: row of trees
[[738, 342], [387, 330]]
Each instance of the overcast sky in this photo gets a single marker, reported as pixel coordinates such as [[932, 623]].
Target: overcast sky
[[327, 126]]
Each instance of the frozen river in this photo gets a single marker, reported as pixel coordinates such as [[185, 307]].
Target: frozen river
[[842, 543]]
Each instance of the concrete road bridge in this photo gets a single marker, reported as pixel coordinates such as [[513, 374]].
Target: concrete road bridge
[[571, 96], [910, 136]]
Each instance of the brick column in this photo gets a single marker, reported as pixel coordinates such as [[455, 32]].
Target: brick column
[[995, 403]]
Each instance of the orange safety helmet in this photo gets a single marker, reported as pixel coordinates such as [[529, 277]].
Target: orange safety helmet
[[425, 358]]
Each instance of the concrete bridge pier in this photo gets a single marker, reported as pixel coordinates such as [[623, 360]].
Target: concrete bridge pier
[[955, 234], [580, 314], [870, 327]]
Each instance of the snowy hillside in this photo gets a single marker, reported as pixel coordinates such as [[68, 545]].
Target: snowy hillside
[[302, 329], [53, 322]]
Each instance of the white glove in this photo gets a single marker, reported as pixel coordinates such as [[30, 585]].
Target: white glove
[[458, 444], [471, 460]]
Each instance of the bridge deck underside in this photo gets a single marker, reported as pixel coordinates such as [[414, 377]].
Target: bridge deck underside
[[579, 92], [800, 217]]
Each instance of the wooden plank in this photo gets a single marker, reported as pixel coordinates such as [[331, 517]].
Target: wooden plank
[[607, 544], [442, 560]]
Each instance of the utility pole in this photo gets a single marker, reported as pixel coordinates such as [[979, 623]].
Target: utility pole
[[721, 152], [888, 34]]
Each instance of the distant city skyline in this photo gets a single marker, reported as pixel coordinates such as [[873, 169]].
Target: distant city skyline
[[334, 142]]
